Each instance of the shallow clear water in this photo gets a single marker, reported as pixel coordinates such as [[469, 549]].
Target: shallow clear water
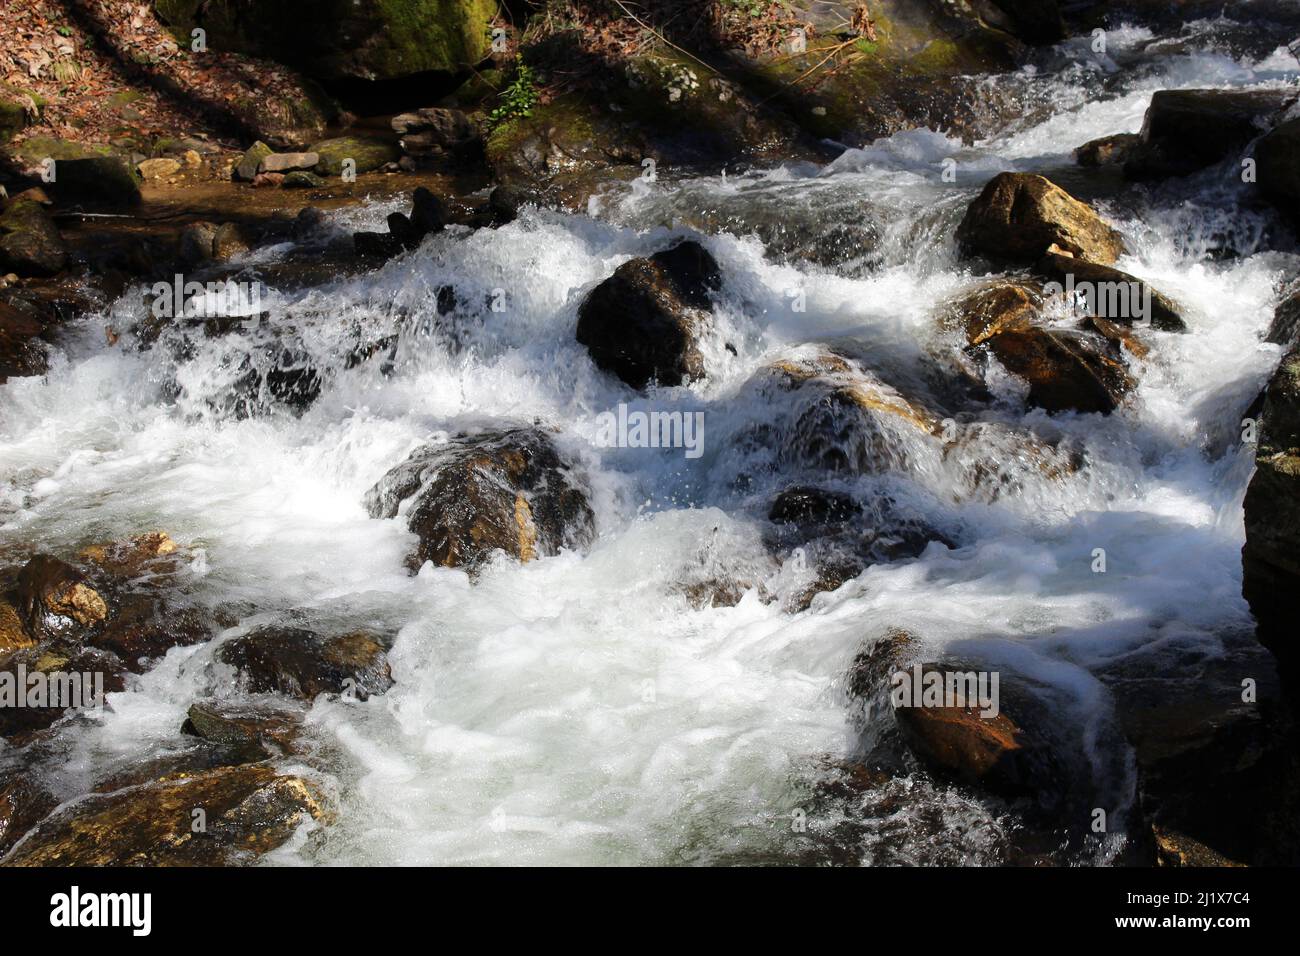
[[578, 709]]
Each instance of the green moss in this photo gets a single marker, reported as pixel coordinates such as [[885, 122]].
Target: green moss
[[125, 98], [421, 35], [13, 110], [938, 55], [37, 148], [368, 154]]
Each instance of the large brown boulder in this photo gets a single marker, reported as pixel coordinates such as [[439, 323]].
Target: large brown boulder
[[643, 322], [224, 817], [1188, 130], [501, 491], [300, 663], [1278, 167], [1020, 217]]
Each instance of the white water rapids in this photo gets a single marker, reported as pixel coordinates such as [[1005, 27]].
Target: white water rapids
[[577, 709]]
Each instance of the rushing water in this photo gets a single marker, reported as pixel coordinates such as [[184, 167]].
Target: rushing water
[[578, 708]]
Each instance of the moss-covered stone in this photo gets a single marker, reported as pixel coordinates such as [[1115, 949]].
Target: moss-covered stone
[[247, 167], [18, 108], [302, 179], [344, 39], [36, 149], [367, 154]]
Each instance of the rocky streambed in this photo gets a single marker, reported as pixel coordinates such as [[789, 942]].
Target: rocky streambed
[[547, 506]]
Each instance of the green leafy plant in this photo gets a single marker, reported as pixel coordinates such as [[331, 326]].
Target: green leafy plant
[[517, 99]]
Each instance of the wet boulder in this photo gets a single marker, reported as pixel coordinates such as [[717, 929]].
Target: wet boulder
[[643, 323], [1271, 555], [248, 810], [437, 133], [255, 729], [30, 244], [508, 491], [1113, 150], [429, 215], [982, 726], [194, 245], [837, 416], [1208, 732], [24, 802], [144, 626], [1278, 169], [1188, 130], [53, 680], [54, 599], [136, 556], [1111, 294], [302, 179], [992, 308], [13, 632], [22, 352], [303, 664], [1019, 218], [805, 505], [839, 537], [1065, 371], [1285, 327]]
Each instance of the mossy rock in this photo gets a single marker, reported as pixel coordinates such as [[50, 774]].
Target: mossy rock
[[302, 179], [344, 39], [246, 169], [125, 98], [15, 110], [34, 150], [367, 154]]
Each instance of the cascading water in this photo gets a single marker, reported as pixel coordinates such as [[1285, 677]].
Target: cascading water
[[580, 708]]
